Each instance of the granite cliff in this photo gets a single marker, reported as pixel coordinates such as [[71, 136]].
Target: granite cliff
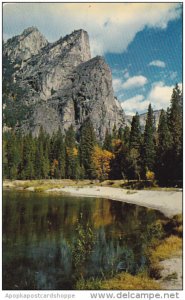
[[62, 85]]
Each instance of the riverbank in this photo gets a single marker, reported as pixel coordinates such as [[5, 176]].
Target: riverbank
[[169, 202], [170, 270]]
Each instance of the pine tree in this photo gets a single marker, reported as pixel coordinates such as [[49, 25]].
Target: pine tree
[[61, 154], [164, 136], [135, 133], [121, 133], [13, 156], [72, 155], [114, 132], [45, 164], [175, 122], [116, 163], [4, 157], [39, 158], [149, 142], [28, 155], [57, 155], [107, 145], [164, 150], [120, 149], [134, 158], [42, 155], [87, 143], [175, 119], [126, 136]]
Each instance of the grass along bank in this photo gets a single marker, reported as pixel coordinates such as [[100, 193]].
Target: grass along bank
[[45, 184], [142, 281], [122, 281], [161, 251]]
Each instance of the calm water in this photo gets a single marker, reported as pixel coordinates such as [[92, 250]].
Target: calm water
[[40, 231]]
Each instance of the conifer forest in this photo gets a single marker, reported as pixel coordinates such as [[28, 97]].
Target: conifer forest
[[155, 154]]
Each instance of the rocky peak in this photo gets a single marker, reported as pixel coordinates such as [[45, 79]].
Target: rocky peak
[[64, 85], [82, 43], [51, 69], [93, 96], [75, 44], [21, 47], [30, 30]]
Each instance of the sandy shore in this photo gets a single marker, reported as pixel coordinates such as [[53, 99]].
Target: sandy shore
[[168, 202], [171, 273]]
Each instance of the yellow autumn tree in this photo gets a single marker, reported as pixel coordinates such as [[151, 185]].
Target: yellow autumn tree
[[116, 143], [101, 162], [150, 175], [75, 152]]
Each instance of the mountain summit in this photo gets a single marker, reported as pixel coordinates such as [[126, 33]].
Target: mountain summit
[[22, 47], [62, 85]]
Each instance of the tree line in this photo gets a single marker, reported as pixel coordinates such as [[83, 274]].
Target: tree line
[[125, 153]]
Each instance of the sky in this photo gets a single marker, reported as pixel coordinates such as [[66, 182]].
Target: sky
[[141, 42]]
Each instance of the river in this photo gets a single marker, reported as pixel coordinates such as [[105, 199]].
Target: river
[[50, 240]]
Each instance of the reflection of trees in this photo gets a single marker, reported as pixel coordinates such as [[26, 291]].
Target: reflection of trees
[[105, 253], [38, 230], [101, 215], [127, 261], [114, 255], [12, 281], [47, 268], [134, 224], [29, 216]]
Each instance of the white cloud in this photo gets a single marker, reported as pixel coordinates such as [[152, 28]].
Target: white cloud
[[160, 95], [135, 81], [117, 85], [111, 26], [135, 104], [157, 63]]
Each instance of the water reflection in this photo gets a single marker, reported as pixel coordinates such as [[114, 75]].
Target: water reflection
[[39, 232]]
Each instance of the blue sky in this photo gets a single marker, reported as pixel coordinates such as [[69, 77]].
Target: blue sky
[[141, 42], [154, 57]]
